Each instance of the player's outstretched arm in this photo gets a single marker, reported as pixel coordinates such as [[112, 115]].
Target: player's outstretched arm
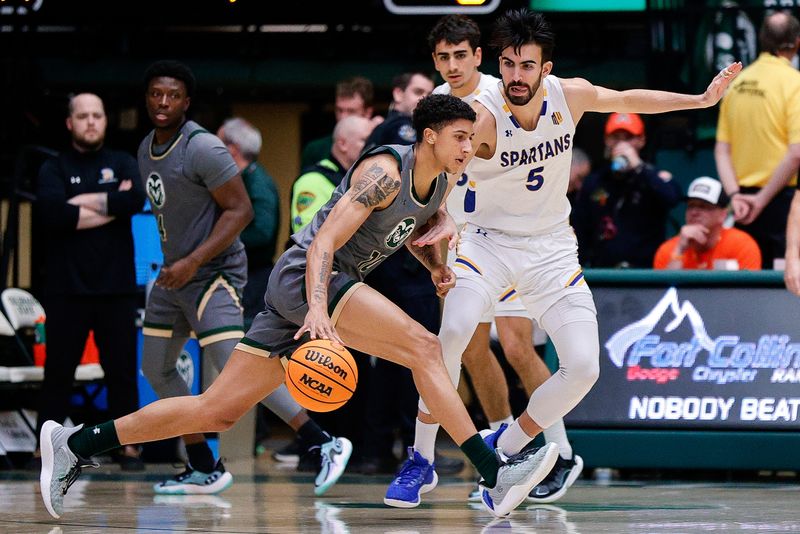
[[373, 185], [583, 96]]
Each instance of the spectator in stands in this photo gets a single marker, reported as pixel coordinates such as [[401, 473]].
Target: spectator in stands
[[622, 209], [315, 185], [85, 200], [407, 89], [354, 96], [758, 137], [260, 236], [704, 242]]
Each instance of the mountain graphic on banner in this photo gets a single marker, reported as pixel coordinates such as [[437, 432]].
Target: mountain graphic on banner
[[618, 344]]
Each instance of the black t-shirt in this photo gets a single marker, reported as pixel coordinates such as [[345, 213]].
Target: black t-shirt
[[95, 261]]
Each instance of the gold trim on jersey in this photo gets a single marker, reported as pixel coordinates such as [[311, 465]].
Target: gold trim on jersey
[[172, 145]]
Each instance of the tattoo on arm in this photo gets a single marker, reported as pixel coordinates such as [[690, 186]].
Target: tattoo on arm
[[320, 289], [374, 186]]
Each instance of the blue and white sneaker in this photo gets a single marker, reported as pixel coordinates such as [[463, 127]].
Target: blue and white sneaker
[[60, 466], [193, 482], [334, 456], [517, 476], [416, 476]]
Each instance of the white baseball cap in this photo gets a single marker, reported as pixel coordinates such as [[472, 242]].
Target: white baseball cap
[[708, 189]]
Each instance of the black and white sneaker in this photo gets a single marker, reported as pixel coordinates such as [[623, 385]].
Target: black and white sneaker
[[558, 481]]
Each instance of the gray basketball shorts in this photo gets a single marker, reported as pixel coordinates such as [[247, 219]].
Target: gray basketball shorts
[[273, 330], [209, 305]]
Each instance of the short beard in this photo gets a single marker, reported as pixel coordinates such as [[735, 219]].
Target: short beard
[[88, 147], [522, 100]]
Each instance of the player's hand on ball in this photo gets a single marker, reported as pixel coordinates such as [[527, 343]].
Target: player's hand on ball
[[319, 326]]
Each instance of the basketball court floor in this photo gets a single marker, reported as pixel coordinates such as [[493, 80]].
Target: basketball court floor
[[266, 497]]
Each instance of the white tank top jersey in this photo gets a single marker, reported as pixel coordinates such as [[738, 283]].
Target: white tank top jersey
[[455, 200], [522, 189]]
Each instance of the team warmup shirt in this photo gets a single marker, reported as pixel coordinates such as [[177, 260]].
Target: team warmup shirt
[[178, 179]]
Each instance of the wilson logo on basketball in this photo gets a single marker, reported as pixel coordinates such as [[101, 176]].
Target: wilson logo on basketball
[[316, 385], [323, 360]]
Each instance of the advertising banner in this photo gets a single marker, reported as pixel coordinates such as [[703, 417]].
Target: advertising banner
[[705, 358]]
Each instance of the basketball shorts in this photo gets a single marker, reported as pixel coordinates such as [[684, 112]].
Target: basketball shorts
[[542, 269], [209, 305], [272, 332], [508, 305]]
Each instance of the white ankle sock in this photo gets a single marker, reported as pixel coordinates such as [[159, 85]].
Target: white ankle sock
[[558, 435], [513, 439], [425, 439]]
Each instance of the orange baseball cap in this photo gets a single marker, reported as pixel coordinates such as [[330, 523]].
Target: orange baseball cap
[[630, 122]]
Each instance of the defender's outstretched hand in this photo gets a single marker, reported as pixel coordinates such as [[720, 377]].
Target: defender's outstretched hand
[[720, 83]]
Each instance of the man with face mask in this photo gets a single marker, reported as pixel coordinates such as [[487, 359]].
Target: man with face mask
[[622, 210]]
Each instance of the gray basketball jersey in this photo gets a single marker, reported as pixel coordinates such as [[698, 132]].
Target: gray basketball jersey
[[384, 231], [178, 178]]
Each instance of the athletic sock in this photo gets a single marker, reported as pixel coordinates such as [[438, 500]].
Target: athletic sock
[[558, 435], [90, 441], [513, 439], [200, 457], [483, 458], [425, 439], [495, 425], [312, 434]]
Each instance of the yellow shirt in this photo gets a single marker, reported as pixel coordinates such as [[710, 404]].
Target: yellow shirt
[[760, 118]]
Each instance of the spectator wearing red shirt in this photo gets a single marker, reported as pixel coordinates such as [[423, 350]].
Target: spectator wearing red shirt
[[703, 240]]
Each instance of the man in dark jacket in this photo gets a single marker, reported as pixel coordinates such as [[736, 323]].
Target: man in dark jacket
[[86, 198]]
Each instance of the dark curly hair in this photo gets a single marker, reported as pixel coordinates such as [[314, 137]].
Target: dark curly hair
[[171, 69], [518, 27], [453, 29], [437, 111]]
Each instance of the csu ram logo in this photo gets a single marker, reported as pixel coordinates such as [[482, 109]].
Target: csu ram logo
[[155, 189], [401, 232]]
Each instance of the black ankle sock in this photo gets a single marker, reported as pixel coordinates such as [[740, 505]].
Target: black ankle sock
[[312, 434], [483, 458], [200, 457], [90, 441]]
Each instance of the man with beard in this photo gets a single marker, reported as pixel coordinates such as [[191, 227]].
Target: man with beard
[[517, 232], [85, 200]]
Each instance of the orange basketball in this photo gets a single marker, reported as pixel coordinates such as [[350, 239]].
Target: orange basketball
[[321, 376]]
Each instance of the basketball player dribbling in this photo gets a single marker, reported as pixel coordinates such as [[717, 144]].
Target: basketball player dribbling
[[391, 196], [518, 233]]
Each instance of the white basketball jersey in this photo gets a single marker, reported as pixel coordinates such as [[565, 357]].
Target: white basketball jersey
[[455, 200], [522, 189]]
